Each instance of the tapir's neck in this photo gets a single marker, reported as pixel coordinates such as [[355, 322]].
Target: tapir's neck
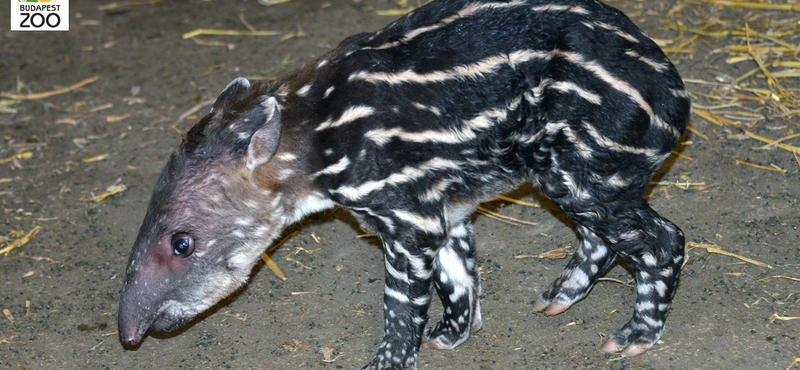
[[319, 133], [290, 178]]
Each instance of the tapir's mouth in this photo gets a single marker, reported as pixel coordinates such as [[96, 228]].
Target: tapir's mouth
[[155, 314], [165, 323], [131, 334], [132, 330]]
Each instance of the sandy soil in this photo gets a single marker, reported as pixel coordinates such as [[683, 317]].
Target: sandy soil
[[62, 287]]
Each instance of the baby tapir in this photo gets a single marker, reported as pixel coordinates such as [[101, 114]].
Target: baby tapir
[[409, 128]]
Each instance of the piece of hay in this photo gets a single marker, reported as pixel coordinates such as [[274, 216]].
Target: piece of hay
[[114, 189], [722, 122], [96, 158], [779, 277], [101, 107], [227, 45], [714, 249], [280, 242], [786, 74], [494, 216], [246, 23], [762, 139], [686, 185], [8, 315], [194, 110], [708, 117], [297, 34], [237, 316], [770, 80], [215, 32], [554, 254], [698, 133], [776, 317], [760, 167], [273, 266], [211, 69], [5, 106], [680, 155], [24, 155], [502, 218], [115, 119], [268, 260], [620, 282], [517, 201], [394, 12], [777, 141], [750, 5], [21, 241], [47, 94], [795, 362]]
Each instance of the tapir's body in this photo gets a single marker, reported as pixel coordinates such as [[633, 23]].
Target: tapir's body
[[409, 128]]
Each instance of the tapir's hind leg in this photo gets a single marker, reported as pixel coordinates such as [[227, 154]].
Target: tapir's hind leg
[[652, 246], [603, 198], [589, 262]]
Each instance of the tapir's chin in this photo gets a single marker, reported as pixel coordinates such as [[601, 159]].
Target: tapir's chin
[[132, 330], [165, 323], [139, 314]]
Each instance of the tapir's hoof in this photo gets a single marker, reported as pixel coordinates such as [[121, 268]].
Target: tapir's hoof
[[633, 350], [436, 344], [553, 309]]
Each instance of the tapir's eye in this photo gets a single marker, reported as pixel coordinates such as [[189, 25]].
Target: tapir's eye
[[182, 245]]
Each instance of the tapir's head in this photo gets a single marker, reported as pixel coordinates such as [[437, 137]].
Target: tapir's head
[[214, 210]]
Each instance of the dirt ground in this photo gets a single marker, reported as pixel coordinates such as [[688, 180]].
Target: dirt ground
[[59, 290]]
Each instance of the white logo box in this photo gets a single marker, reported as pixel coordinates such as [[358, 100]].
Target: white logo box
[[39, 15]]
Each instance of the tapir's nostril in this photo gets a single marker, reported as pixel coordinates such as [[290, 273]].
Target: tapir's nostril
[[130, 341], [128, 335]]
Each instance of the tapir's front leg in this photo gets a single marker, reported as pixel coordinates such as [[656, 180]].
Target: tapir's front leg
[[406, 298]]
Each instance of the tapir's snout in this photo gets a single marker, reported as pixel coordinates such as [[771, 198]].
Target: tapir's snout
[[135, 317], [153, 300], [142, 307], [129, 333], [132, 328]]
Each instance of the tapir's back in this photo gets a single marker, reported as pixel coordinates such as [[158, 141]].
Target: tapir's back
[[498, 87]]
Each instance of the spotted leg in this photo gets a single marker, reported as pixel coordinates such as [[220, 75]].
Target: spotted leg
[[457, 281], [616, 223], [406, 298], [653, 247], [592, 259]]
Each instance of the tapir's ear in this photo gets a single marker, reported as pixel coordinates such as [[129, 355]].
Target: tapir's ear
[[264, 142], [234, 88]]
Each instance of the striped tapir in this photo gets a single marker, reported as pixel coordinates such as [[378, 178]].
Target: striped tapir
[[409, 128]]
